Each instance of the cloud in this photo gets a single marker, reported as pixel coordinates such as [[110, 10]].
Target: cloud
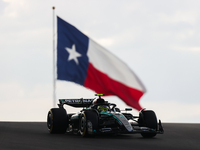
[[186, 49], [15, 8], [25, 104], [189, 17]]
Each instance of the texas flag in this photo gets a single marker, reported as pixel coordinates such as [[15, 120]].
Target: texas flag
[[83, 61]]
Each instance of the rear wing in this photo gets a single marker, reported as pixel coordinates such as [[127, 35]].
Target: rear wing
[[76, 102]]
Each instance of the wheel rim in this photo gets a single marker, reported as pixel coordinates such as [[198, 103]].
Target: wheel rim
[[50, 121], [83, 125], [89, 127]]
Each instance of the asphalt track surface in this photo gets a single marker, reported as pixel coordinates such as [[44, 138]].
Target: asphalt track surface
[[34, 136]]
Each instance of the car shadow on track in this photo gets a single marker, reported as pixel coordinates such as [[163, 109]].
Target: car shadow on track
[[109, 136]]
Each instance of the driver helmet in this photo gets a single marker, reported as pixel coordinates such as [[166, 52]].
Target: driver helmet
[[99, 101], [102, 108]]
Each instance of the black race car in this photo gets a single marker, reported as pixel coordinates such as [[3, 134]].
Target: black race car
[[100, 117]]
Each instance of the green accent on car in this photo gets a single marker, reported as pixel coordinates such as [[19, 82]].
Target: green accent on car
[[110, 114], [106, 113], [74, 116], [99, 94]]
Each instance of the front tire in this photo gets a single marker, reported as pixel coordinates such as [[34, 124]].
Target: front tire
[[88, 123], [92, 122], [148, 119], [57, 120], [83, 125]]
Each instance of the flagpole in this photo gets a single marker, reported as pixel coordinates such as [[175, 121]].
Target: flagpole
[[54, 79]]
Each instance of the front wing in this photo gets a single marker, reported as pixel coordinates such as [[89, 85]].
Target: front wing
[[122, 125], [135, 129]]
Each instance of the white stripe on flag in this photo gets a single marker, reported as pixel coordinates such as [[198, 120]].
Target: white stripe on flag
[[109, 64]]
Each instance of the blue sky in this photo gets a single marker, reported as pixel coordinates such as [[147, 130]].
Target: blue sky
[[158, 40]]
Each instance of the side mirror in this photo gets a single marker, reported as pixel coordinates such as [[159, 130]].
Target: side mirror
[[128, 109], [117, 110]]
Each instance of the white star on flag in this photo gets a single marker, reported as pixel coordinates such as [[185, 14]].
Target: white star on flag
[[73, 54]]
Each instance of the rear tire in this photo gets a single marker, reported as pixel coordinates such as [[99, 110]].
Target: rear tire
[[148, 119], [57, 120]]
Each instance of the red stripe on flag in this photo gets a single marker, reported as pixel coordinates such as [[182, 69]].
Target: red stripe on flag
[[101, 83]]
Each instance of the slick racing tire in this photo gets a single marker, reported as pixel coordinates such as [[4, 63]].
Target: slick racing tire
[[57, 120], [88, 123], [82, 125], [92, 122], [148, 119]]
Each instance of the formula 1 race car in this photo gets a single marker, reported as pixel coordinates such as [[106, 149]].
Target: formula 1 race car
[[100, 117]]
